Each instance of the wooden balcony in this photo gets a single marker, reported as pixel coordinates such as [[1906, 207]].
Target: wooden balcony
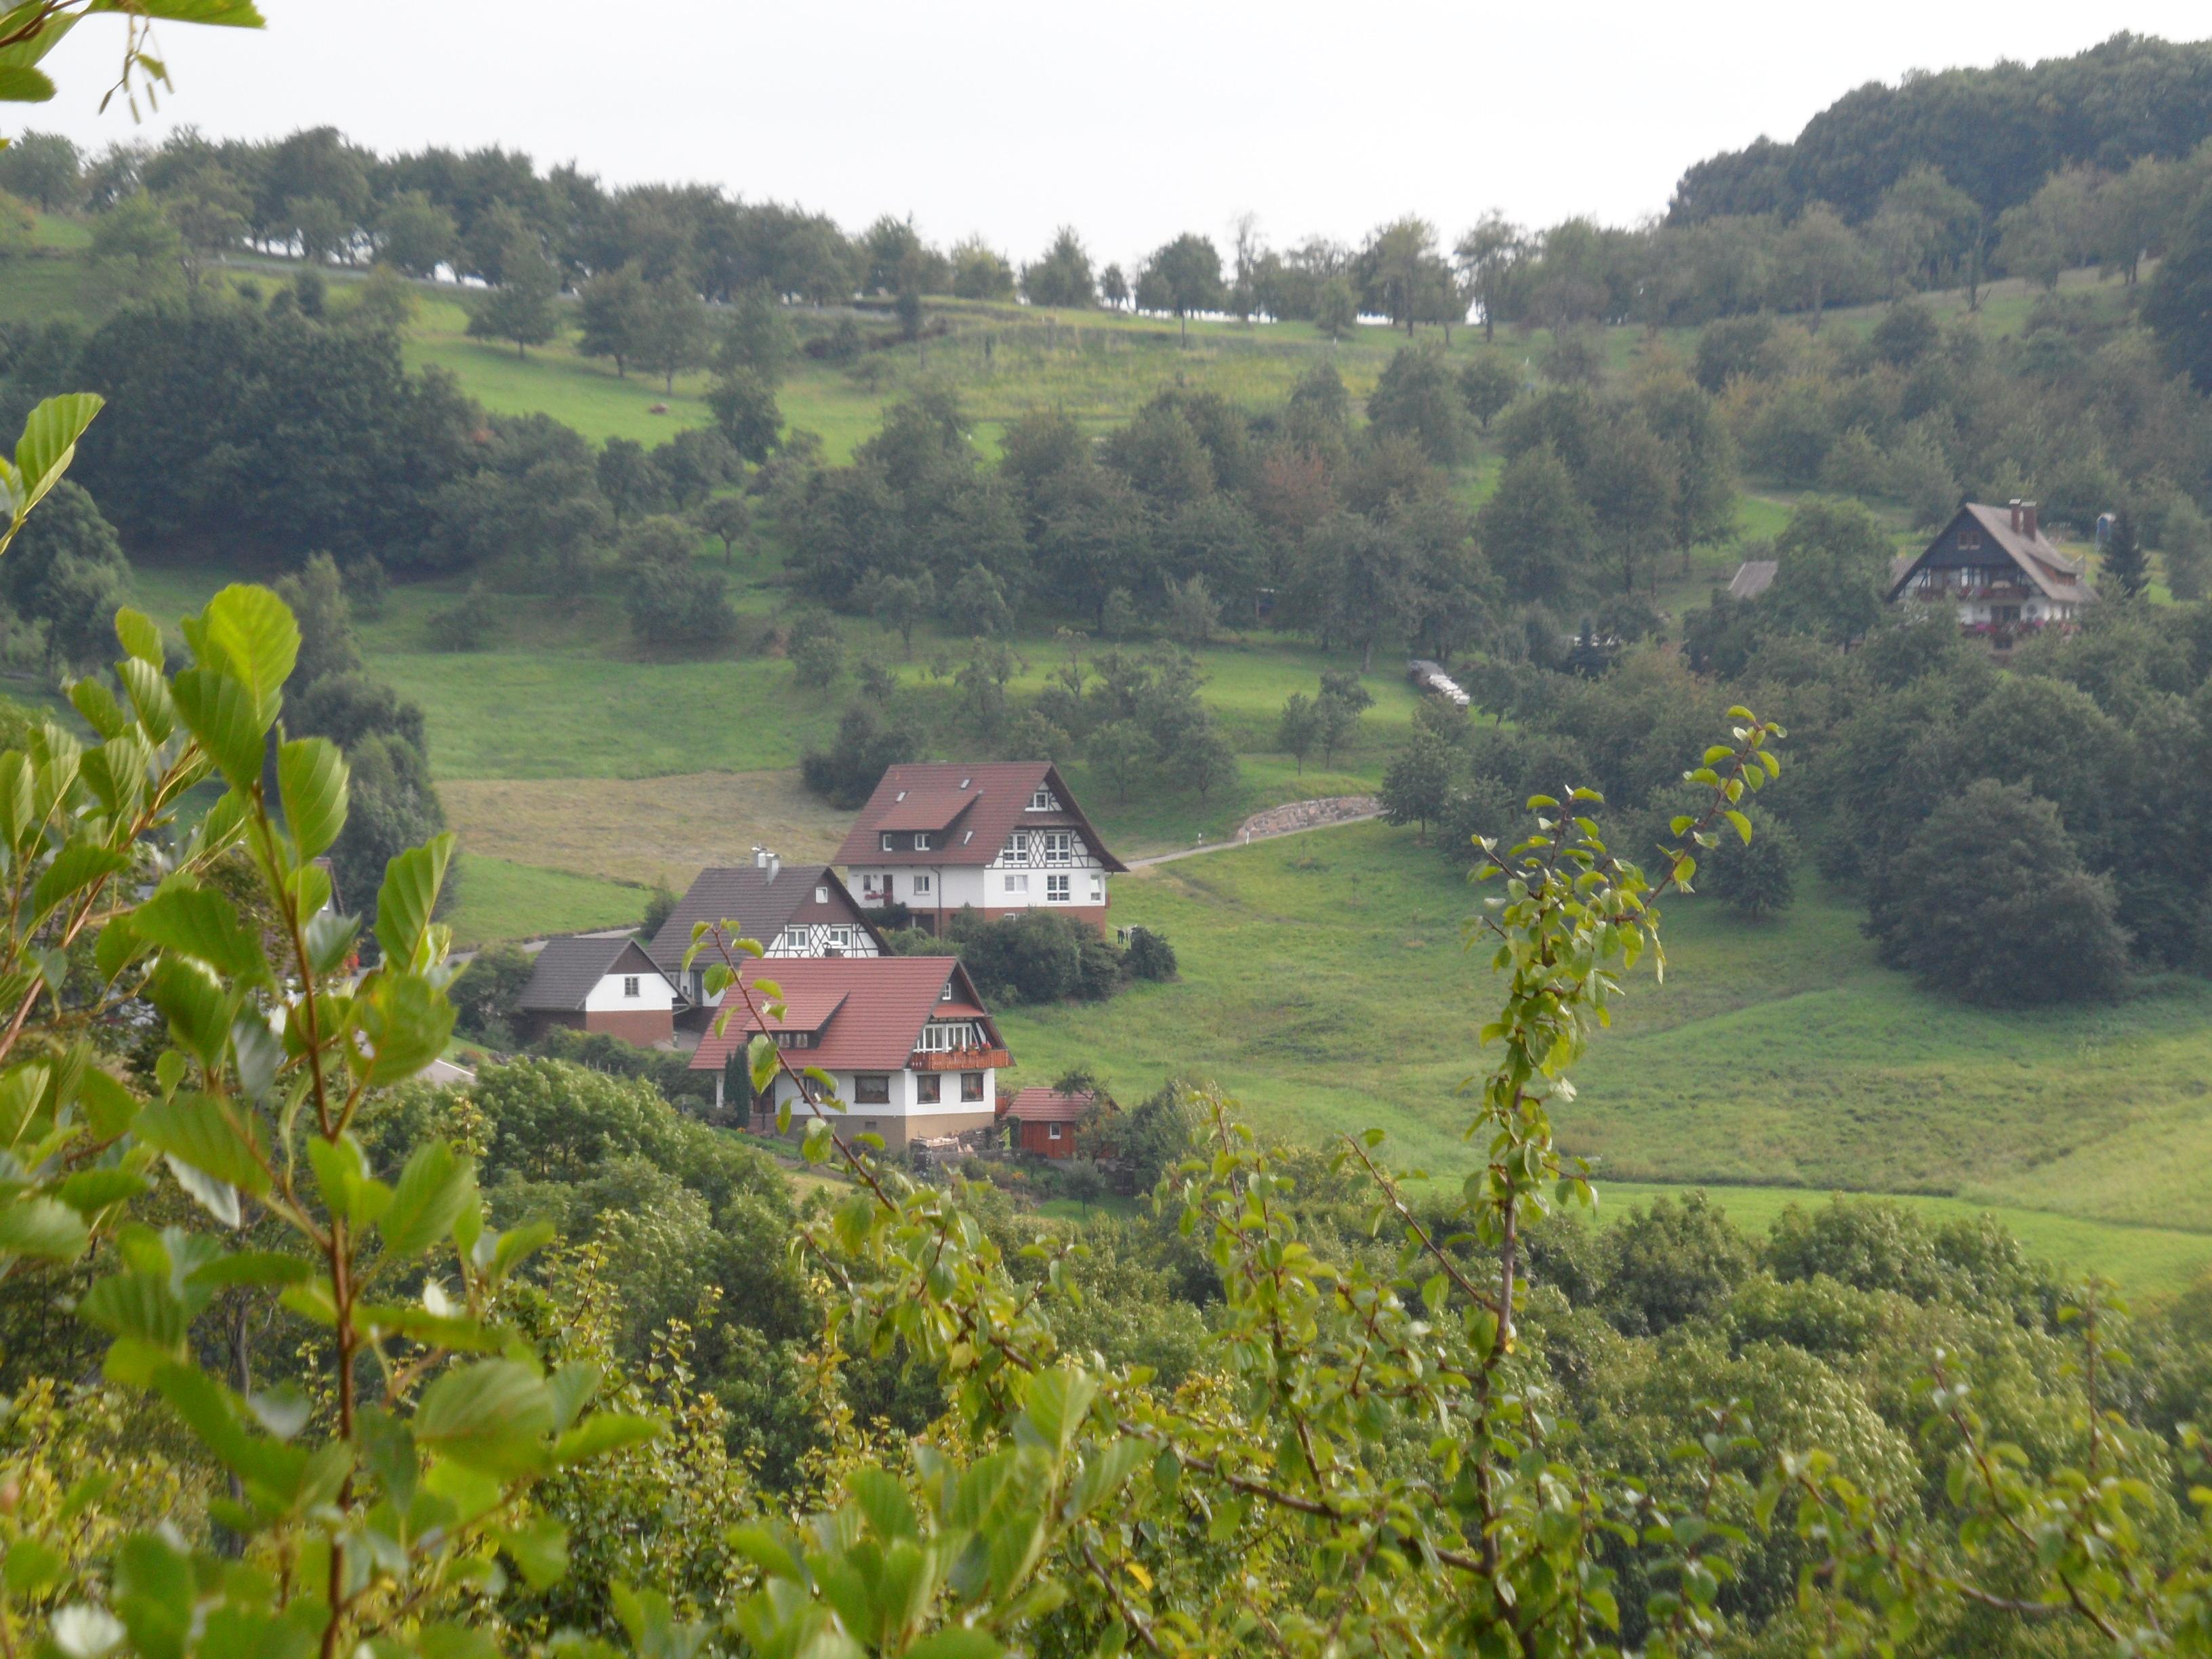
[[959, 1060]]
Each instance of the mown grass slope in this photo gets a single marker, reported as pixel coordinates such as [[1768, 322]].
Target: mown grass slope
[[1324, 983]]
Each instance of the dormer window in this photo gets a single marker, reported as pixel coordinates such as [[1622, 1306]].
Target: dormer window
[[888, 839], [921, 841]]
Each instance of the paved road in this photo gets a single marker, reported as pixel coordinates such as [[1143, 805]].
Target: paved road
[[1247, 840]]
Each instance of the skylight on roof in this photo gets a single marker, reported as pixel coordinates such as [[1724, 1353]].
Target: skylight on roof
[[900, 796]]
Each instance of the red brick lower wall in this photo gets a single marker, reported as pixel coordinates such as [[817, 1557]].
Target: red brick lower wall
[[642, 1026]]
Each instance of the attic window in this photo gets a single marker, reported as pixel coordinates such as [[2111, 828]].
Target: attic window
[[945, 992], [1969, 538], [1043, 801], [629, 985], [822, 896], [887, 840], [921, 841]]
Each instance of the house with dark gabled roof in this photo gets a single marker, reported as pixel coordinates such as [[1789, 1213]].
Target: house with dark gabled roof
[[1997, 571], [800, 910], [599, 983], [997, 837], [912, 1051]]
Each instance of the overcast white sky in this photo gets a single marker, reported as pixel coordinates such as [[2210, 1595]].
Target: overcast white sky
[[1132, 122]]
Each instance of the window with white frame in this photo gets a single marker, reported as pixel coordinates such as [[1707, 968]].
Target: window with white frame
[[1052, 1132], [1056, 890], [1044, 801], [822, 896], [1018, 884], [629, 985], [1018, 849], [921, 841], [1058, 846], [839, 939], [794, 940], [888, 839], [921, 883], [945, 1036]]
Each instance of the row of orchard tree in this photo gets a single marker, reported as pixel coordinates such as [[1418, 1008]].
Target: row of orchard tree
[[1945, 181]]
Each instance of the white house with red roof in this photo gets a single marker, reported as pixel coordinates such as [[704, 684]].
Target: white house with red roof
[[998, 836], [914, 1052], [1997, 572]]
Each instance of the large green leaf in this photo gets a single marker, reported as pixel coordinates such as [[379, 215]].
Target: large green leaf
[[43, 453], [42, 1227], [410, 894], [248, 633], [432, 1191], [224, 716], [75, 868], [230, 13], [202, 923], [488, 1415], [200, 1131], [197, 1009], [311, 776], [406, 1023]]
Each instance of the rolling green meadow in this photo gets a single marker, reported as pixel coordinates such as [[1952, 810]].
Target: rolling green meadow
[[1324, 981]]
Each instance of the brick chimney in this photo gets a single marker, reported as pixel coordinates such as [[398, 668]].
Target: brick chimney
[[2014, 505], [2028, 520]]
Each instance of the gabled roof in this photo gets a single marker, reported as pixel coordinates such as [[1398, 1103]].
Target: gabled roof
[[569, 970], [1752, 578], [757, 900], [1040, 1104], [993, 797], [868, 1012], [2055, 575]]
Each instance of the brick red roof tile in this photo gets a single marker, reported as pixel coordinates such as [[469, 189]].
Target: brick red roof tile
[[877, 1007], [1000, 790]]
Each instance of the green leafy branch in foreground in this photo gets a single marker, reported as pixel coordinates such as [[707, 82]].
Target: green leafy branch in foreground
[[32, 28], [373, 1514]]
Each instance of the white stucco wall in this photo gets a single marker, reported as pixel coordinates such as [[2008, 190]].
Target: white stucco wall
[[653, 992], [902, 1105]]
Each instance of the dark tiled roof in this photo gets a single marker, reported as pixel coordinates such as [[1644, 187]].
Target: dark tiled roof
[[1040, 1104], [569, 970], [2054, 574], [1000, 791], [868, 1010], [744, 895]]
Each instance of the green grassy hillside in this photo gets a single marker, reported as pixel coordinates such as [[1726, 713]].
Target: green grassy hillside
[[1324, 984]]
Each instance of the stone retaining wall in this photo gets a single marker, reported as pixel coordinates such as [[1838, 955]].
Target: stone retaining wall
[[1306, 814]]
